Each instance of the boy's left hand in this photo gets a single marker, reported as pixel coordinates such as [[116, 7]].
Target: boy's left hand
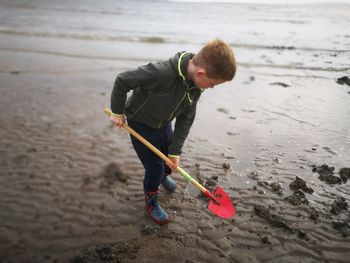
[[175, 163]]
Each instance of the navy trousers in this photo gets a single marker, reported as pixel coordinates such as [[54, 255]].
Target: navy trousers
[[155, 167]]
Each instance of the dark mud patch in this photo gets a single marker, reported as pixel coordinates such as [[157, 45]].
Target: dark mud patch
[[326, 174], [272, 219], [281, 47], [21, 160], [248, 110], [112, 252], [254, 175], [339, 205], [265, 240], [15, 72], [281, 84], [297, 198], [233, 133], [112, 173], [211, 182], [313, 214], [342, 227], [303, 235], [300, 184], [344, 80], [277, 221], [149, 230], [275, 187]]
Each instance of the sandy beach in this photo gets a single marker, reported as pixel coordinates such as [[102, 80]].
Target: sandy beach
[[276, 139]]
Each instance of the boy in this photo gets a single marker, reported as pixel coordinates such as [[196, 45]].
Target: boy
[[164, 91]]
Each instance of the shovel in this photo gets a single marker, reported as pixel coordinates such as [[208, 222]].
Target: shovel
[[219, 202]]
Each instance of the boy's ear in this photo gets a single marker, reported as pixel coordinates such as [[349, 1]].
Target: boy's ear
[[200, 72]]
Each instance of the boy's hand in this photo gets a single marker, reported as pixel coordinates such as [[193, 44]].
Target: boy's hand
[[175, 163], [118, 120]]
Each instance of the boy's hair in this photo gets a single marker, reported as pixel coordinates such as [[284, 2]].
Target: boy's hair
[[218, 60]]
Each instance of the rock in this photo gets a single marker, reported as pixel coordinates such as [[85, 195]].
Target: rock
[[344, 174], [299, 183], [344, 80], [226, 166], [323, 169], [331, 179], [326, 174]]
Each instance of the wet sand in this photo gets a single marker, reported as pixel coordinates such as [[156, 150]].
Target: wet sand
[[276, 139]]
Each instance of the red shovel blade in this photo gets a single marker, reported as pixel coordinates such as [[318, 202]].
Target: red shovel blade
[[224, 208]]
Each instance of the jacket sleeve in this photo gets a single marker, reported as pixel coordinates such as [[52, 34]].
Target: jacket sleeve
[[144, 77], [183, 125]]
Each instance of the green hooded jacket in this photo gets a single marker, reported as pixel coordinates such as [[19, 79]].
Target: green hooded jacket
[[161, 93]]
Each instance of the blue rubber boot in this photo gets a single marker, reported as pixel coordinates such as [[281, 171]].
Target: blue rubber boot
[[168, 183], [154, 210]]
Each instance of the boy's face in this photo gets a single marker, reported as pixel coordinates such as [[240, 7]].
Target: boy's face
[[202, 81]]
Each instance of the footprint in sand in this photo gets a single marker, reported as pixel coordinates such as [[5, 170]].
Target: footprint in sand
[[112, 173], [223, 110]]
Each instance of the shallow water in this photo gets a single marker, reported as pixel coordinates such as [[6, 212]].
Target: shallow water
[[308, 26]]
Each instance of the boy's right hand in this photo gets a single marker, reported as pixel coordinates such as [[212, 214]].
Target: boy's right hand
[[118, 120]]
